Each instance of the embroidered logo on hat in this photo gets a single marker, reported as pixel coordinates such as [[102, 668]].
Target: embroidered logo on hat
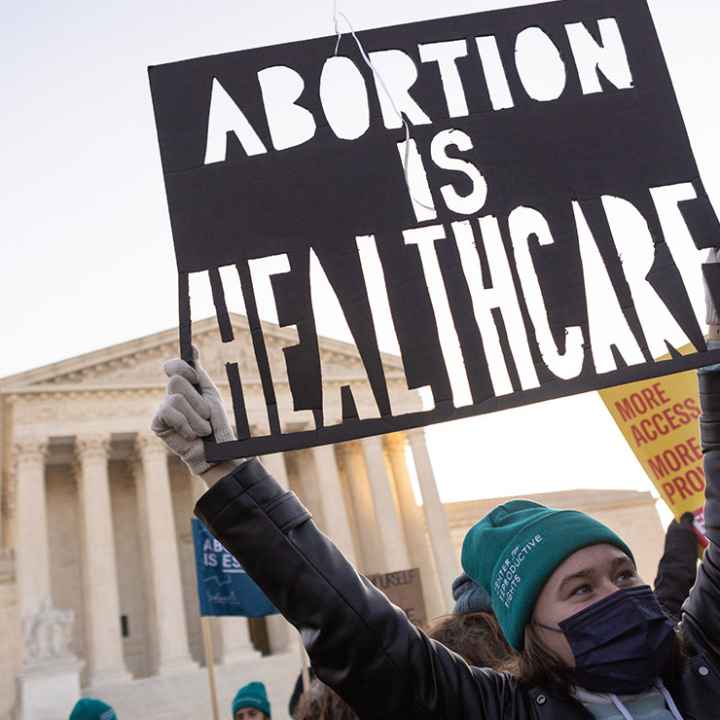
[[508, 577]]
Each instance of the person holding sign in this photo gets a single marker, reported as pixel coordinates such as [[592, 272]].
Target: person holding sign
[[591, 637]]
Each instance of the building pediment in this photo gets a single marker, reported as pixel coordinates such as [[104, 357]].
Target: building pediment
[[138, 363]]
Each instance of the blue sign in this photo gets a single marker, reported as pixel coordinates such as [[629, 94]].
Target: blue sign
[[224, 588]]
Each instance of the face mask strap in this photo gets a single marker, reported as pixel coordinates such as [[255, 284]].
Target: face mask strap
[[547, 627]]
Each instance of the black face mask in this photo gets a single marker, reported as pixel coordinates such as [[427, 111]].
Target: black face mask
[[621, 644]]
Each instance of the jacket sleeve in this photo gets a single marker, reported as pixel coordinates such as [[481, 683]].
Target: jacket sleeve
[[701, 611], [678, 566], [359, 644]]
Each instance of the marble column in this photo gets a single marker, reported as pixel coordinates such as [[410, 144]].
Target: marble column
[[283, 636], [389, 525], [11, 646], [8, 507], [135, 466], [334, 510], [103, 638], [411, 514], [171, 651], [275, 465], [32, 553], [446, 560], [369, 553]]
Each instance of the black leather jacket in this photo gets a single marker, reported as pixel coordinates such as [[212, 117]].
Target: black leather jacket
[[384, 667]]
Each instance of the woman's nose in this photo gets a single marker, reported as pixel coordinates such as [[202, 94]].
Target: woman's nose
[[608, 587]]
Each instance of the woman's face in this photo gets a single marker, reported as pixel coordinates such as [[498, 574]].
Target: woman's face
[[587, 576], [249, 714]]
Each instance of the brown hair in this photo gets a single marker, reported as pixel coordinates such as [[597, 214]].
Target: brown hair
[[538, 666], [321, 703], [476, 637]]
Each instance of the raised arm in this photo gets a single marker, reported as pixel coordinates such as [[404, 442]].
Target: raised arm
[[702, 609], [361, 645], [678, 566]]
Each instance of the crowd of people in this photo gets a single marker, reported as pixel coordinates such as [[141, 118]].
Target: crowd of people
[[551, 619], [250, 703]]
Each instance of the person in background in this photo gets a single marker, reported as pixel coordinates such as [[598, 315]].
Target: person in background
[[678, 566], [472, 630], [469, 597], [251, 703], [92, 709], [298, 691], [476, 637], [321, 703]]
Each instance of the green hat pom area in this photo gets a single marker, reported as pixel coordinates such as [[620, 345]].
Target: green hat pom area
[[253, 695], [92, 709], [516, 547]]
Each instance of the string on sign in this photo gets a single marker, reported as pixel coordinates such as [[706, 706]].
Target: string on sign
[[337, 15]]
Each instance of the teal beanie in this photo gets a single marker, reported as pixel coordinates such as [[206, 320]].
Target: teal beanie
[[516, 547], [92, 709], [253, 695]]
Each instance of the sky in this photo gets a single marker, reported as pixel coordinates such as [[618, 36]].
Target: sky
[[86, 255]]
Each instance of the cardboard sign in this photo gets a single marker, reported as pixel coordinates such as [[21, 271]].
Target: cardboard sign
[[659, 419], [224, 588], [404, 589], [531, 163]]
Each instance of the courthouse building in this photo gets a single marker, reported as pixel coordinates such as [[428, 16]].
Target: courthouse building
[[97, 579], [98, 514]]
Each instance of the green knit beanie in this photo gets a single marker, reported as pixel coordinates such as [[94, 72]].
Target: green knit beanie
[[516, 547], [253, 695], [92, 709]]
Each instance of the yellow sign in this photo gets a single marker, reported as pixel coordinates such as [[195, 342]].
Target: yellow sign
[[659, 419]]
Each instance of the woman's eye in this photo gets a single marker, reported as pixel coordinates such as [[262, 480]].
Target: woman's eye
[[582, 590], [627, 576]]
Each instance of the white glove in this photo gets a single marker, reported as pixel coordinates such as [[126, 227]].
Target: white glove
[[191, 410]]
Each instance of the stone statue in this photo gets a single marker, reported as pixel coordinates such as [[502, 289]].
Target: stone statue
[[48, 634]]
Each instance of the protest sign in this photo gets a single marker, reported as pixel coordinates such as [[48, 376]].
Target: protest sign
[[403, 588], [659, 419], [516, 178], [224, 588]]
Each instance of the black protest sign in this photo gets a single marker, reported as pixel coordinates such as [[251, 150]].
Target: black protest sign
[[543, 206]]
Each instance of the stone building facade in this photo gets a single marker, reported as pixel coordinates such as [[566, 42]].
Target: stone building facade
[[98, 517]]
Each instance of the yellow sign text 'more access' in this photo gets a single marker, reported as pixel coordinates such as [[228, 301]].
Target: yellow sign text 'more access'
[[659, 419]]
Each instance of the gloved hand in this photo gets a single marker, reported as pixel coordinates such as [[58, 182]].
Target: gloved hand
[[684, 527], [191, 410], [688, 520]]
